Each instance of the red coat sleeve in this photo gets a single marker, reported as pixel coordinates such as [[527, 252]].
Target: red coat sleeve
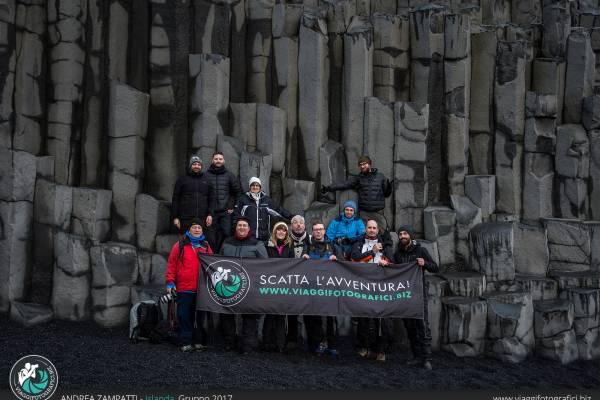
[[172, 264]]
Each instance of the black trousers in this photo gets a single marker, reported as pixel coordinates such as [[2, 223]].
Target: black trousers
[[227, 325], [292, 329], [373, 334], [315, 334], [274, 332], [419, 335]]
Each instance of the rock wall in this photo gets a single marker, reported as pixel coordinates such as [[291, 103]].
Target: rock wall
[[485, 114]]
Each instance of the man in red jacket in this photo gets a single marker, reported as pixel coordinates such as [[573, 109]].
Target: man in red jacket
[[183, 268]]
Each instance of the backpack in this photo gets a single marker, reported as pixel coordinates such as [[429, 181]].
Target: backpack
[[143, 318]]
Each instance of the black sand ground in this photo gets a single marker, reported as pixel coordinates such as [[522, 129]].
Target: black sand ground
[[88, 357]]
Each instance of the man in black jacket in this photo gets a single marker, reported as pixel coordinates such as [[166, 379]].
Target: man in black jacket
[[372, 187], [418, 331], [227, 190], [193, 197], [373, 333]]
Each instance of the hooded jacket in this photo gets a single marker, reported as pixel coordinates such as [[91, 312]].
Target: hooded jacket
[[193, 197], [260, 214], [183, 267], [346, 228], [227, 187], [372, 187], [414, 251]]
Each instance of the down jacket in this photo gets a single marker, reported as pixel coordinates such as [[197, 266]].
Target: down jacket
[[183, 267], [227, 187], [372, 187], [193, 197], [414, 251], [260, 215]]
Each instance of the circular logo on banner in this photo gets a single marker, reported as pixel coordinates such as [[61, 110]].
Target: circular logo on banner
[[33, 377], [227, 282]]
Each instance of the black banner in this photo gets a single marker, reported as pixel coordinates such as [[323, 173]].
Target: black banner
[[309, 287]]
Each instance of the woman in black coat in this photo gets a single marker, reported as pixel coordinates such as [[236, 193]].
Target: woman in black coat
[[259, 208], [280, 246]]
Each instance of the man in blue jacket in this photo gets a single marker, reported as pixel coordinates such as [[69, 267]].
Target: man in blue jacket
[[346, 229], [320, 248]]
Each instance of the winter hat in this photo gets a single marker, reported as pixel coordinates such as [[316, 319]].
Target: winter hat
[[364, 159], [408, 229], [254, 180], [195, 221], [351, 204], [194, 159]]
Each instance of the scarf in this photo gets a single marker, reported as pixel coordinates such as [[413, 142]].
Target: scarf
[[298, 246], [280, 245], [255, 196], [245, 237], [195, 241]]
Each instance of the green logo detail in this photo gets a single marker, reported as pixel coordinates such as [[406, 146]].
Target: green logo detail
[[229, 287], [35, 387]]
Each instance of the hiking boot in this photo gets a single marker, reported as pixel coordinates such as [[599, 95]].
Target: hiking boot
[[333, 353], [427, 366], [363, 352], [380, 357], [187, 348], [200, 347], [321, 349]]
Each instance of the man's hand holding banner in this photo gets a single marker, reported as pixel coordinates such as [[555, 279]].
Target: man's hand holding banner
[[309, 287]]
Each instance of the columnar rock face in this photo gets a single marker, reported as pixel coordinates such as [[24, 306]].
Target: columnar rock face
[[127, 128], [313, 106], [465, 283], [339, 15], [410, 157], [510, 333], [540, 142], [587, 318], [436, 288], [258, 49], [492, 250], [391, 58], [17, 188], [298, 195], [556, 27], [579, 80], [91, 213], [572, 168], [357, 84], [66, 34], [71, 280], [464, 326], [509, 99], [457, 73], [270, 134], [255, 164], [554, 335], [209, 101], [169, 101], [152, 218], [212, 24], [467, 216], [7, 76], [569, 245], [286, 28], [427, 86], [481, 190], [114, 270], [530, 249], [30, 76], [548, 78], [481, 122], [439, 223], [332, 165]]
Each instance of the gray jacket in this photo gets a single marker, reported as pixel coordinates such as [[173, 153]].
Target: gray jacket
[[249, 248]]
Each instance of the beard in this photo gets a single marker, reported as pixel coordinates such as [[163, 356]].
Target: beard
[[404, 241]]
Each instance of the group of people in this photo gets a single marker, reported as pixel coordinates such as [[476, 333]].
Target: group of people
[[211, 213]]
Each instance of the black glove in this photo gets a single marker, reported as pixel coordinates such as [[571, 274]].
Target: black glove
[[325, 189]]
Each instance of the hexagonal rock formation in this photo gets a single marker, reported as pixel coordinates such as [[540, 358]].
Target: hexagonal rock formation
[[464, 326]]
